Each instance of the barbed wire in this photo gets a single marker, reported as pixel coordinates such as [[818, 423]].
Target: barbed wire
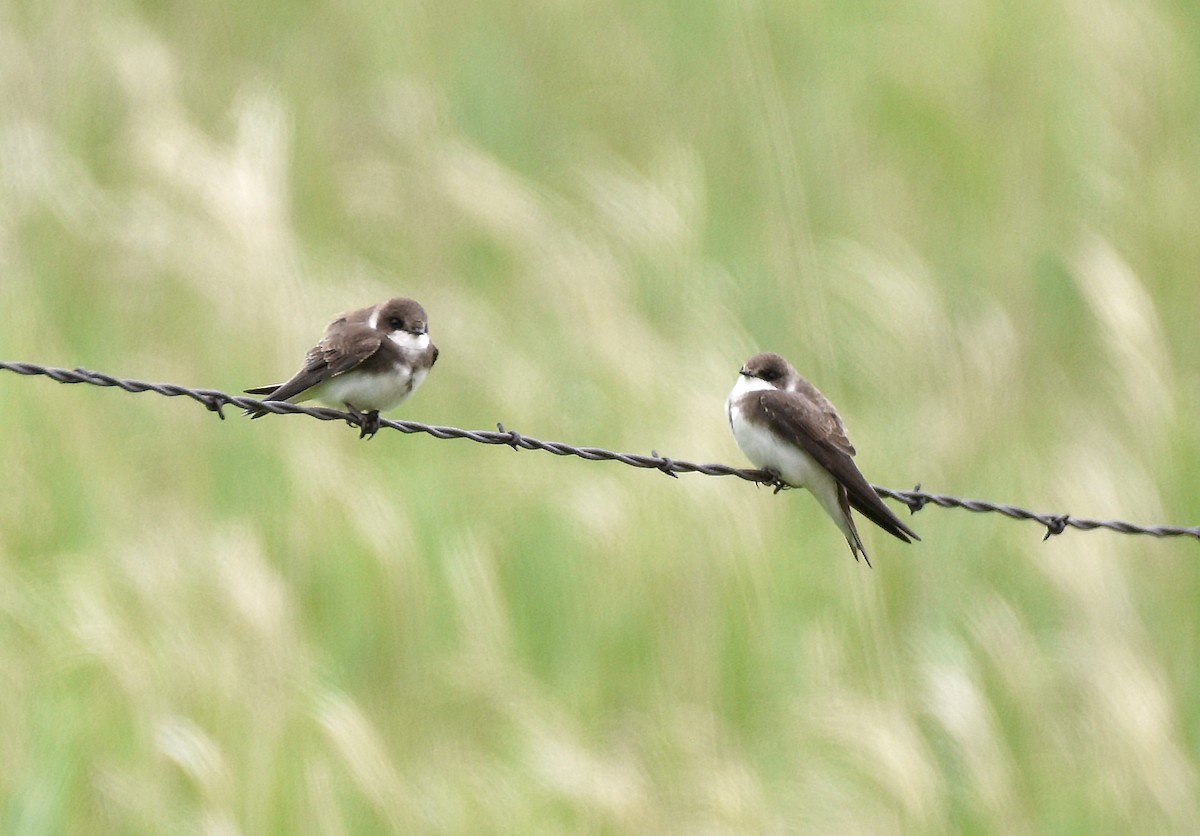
[[915, 499]]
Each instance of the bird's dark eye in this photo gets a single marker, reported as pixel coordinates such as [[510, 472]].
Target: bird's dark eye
[[769, 375], [396, 323]]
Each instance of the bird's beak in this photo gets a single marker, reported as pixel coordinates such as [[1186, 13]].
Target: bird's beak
[[421, 329], [744, 372]]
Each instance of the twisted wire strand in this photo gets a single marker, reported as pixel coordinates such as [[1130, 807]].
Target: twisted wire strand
[[915, 499]]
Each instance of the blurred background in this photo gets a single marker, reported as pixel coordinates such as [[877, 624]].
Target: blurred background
[[974, 226]]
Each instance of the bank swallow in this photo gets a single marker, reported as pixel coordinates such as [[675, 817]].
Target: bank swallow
[[370, 360], [785, 426]]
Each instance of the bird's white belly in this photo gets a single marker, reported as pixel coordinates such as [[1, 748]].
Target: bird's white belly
[[367, 392], [768, 452]]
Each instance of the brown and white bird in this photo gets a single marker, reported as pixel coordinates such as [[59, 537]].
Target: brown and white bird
[[785, 426], [369, 361]]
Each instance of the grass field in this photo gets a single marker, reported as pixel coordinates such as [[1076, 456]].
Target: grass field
[[973, 226]]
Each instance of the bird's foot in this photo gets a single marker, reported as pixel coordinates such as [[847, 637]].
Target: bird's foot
[[776, 480], [367, 422]]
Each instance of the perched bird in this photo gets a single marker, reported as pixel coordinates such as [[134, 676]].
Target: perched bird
[[788, 428], [370, 360]]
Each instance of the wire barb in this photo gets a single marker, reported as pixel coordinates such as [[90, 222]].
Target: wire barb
[[1056, 525], [917, 502], [666, 465], [514, 437], [916, 499]]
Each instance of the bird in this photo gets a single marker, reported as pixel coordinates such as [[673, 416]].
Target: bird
[[785, 426], [370, 360]]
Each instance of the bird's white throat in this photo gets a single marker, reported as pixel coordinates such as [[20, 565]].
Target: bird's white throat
[[746, 384], [412, 342]]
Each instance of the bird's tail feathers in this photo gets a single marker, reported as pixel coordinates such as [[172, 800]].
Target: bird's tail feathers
[[846, 523], [885, 518], [259, 390]]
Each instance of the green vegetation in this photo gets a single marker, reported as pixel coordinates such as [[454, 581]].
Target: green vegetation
[[974, 227]]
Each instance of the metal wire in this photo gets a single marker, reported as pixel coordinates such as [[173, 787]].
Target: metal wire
[[915, 499]]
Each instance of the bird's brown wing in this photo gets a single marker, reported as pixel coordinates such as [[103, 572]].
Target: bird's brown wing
[[328, 358], [819, 431]]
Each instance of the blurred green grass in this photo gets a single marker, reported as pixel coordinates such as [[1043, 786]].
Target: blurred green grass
[[972, 227]]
